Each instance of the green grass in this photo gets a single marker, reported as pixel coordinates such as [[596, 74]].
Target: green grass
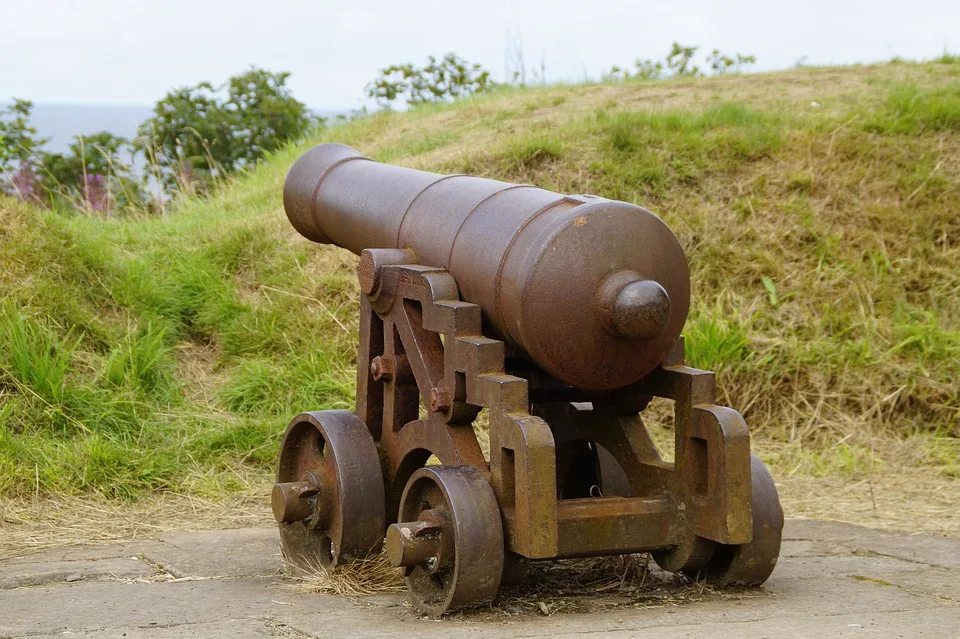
[[910, 109], [947, 58], [147, 354]]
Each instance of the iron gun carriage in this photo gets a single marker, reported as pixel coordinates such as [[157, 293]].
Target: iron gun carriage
[[559, 316]]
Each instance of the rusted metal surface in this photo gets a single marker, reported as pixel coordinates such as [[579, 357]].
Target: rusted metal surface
[[450, 540], [750, 564], [328, 499], [561, 317], [594, 291]]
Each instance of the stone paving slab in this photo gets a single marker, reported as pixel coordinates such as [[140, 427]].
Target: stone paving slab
[[38, 574], [789, 604], [84, 552], [249, 552], [233, 628], [833, 580], [933, 551], [838, 566], [93, 606], [911, 624]]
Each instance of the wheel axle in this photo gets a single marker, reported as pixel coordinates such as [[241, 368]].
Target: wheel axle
[[413, 544], [291, 500]]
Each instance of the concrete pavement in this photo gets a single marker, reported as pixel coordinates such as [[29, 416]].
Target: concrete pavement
[[833, 580]]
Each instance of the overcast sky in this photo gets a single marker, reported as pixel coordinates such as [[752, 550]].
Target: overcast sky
[[132, 52]]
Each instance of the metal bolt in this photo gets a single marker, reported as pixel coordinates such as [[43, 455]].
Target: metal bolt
[[382, 368], [289, 501], [439, 399]]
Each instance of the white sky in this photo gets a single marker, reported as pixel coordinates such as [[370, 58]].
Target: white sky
[[132, 52]]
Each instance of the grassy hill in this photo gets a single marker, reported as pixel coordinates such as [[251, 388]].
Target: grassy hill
[[819, 208]]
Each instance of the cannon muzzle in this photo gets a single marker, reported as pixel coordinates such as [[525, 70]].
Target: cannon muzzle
[[593, 291]]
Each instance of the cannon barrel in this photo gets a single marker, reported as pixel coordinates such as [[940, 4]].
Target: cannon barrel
[[593, 291]]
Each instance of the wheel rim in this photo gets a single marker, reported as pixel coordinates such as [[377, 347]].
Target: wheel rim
[[752, 563], [468, 564], [329, 497]]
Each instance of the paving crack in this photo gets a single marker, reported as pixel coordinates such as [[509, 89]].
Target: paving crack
[[907, 589], [866, 552], [280, 629]]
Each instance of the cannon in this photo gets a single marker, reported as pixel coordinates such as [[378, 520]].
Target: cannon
[[544, 324]]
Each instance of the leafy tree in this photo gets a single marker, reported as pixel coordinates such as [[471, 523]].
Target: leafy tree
[[96, 154], [19, 141], [266, 114], [19, 146], [200, 133], [440, 80], [188, 129], [90, 172]]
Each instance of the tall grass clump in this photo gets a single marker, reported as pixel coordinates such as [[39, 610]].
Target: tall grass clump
[[141, 360], [910, 109], [38, 359], [947, 58]]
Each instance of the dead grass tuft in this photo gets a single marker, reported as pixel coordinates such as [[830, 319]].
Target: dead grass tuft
[[597, 583], [370, 576], [570, 585]]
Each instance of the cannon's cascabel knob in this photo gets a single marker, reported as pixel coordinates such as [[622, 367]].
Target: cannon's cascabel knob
[[633, 307]]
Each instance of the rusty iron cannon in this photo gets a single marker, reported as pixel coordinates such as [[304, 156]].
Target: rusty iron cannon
[[560, 317]]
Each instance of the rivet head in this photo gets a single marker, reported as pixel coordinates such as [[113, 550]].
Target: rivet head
[[439, 399], [381, 368]]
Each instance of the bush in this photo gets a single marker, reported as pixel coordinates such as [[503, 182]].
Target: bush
[[200, 133], [439, 81], [678, 63]]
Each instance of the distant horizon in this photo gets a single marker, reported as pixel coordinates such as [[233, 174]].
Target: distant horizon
[[61, 122], [362, 101], [132, 105]]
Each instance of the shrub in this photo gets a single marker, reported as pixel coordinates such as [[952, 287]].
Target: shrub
[[200, 133], [678, 63], [439, 81]]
